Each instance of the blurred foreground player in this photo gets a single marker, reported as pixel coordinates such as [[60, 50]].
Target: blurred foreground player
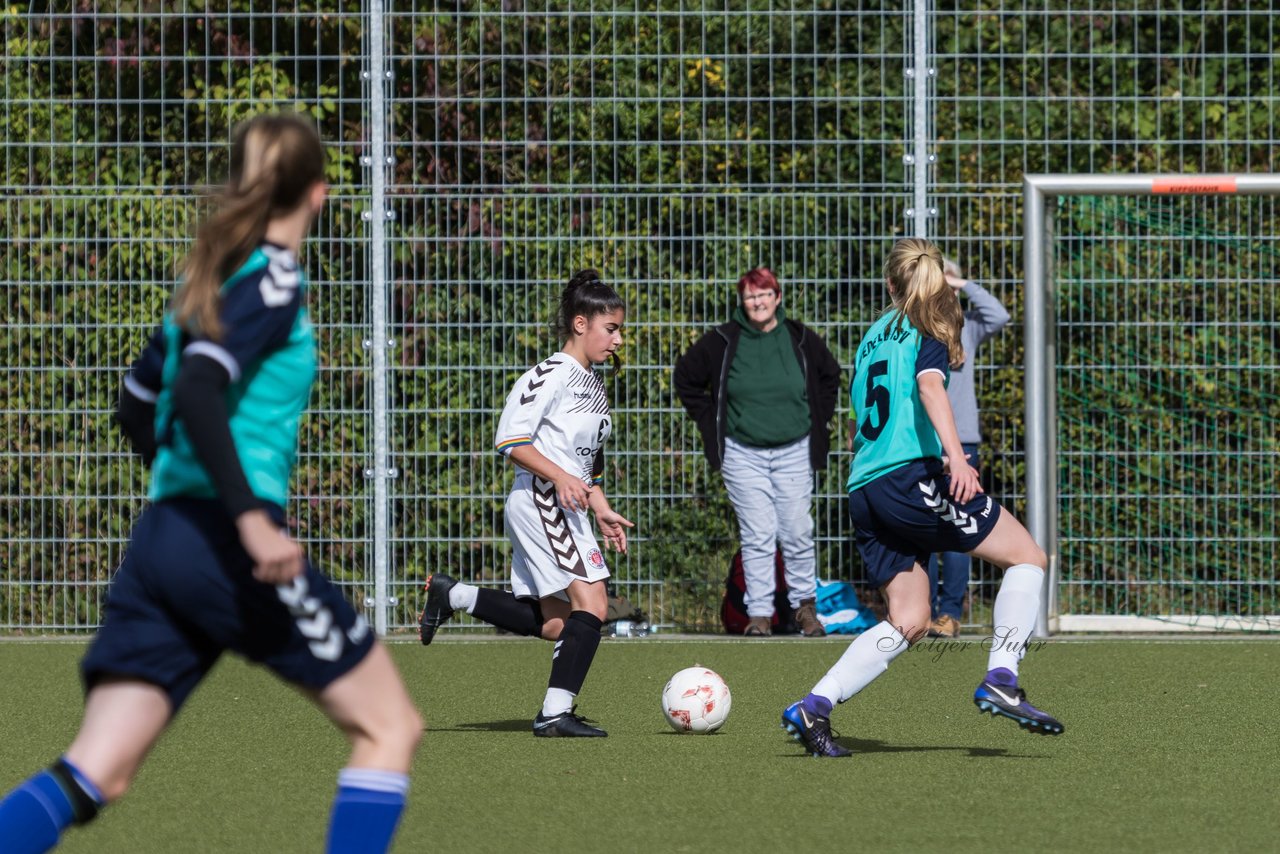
[[216, 400]]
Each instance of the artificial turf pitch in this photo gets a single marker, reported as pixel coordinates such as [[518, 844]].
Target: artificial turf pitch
[[1169, 746]]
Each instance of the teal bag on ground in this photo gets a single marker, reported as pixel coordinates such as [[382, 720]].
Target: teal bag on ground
[[839, 610]]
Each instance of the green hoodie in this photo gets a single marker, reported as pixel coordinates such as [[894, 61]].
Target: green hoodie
[[767, 405]]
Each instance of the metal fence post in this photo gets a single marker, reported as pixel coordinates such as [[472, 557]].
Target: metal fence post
[[921, 72], [379, 215]]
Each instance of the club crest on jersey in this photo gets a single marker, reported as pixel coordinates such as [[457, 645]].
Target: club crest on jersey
[[596, 559]]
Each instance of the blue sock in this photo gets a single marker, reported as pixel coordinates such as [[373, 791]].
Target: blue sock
[[33, 816], [1003, 676], [816, 704], [366, 810]]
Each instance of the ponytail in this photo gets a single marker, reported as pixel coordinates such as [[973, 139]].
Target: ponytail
[[921, 294], [587, 296], [275, 160], [223, 242]]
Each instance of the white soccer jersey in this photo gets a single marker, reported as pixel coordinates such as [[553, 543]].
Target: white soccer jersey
[[561, 409]]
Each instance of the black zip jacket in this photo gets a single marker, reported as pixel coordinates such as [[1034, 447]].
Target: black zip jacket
[[703, 372]]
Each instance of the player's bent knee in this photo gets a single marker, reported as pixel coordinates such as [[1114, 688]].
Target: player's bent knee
[[1031, 554], [405, 723], [599, 610], [913, 627], [916, 632], [395, 732], [411, 723], [412, 728], [911, 623]]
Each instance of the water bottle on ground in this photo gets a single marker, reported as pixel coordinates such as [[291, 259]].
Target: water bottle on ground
[[630, 629]]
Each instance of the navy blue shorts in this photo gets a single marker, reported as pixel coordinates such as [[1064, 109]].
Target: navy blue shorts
[[906, 515], [186, 592]]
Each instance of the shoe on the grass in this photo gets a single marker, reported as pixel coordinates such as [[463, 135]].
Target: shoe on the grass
[[437, 611], [1010, 701], [945, 626], [758, 627], [807, 620], [812, 731], [565, 725]]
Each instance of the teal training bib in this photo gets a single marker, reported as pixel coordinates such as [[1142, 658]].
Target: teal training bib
[[891, 426], [265, 405]]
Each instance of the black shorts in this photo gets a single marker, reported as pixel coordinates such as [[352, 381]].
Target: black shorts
[[906, 515], [185, 593]]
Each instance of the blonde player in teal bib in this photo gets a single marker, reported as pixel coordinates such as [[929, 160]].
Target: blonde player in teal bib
[[911, 494], [216, 400]]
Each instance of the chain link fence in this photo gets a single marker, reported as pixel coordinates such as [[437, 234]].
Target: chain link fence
[[501, 145]]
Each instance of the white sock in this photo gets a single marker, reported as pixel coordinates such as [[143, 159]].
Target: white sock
[[557, 702], [865, 659], [462, 597], [1014, 615]]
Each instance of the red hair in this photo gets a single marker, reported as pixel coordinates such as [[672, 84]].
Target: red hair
[[761, 278]]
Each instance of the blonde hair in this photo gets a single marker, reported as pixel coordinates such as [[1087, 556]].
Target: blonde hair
[[921, 294], [275, 160]]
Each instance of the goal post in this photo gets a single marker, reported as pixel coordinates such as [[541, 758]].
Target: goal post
[[1173, 601]]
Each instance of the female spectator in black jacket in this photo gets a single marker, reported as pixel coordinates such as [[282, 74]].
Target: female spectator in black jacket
[[762, 389]]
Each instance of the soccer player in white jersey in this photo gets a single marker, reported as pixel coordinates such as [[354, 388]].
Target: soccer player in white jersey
[[553, 430]]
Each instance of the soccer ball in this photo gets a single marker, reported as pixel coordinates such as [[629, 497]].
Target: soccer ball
[[696, 700]]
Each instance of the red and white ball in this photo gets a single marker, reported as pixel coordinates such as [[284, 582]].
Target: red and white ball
[[696, 700]]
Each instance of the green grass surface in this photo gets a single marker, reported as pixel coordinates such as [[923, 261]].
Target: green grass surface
[[1169, 746]]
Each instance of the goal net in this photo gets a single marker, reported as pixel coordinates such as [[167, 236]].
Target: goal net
[[1153, 404]]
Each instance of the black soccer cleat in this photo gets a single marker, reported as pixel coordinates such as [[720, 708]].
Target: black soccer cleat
[[1010, 701], [437, 611], [565, 725], [813, 731]]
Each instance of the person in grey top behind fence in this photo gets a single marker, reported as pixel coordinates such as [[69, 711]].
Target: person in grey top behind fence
[[762, 389], [983, 317]]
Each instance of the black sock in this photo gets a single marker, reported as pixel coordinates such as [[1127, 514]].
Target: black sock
[[574, 651], [504, 610]]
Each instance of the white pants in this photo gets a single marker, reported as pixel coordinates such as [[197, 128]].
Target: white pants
[[550, 548], [772, 490]]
